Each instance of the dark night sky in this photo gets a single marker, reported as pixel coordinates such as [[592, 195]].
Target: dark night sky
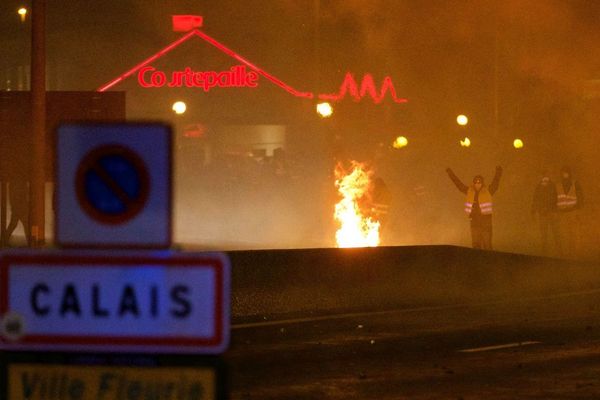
[[553, 41]]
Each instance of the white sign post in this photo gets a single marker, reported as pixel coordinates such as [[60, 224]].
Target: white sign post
[[134, 301]]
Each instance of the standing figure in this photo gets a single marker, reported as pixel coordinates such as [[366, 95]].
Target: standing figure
[[380, 199], [478, 206], [18, 196], [544, 207], [569, 202]]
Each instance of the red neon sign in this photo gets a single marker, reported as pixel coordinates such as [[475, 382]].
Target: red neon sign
[[148, 77], [237, 76], [367, 87], [185, 23]]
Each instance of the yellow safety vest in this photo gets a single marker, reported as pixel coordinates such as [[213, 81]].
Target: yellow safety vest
[[564, 200], [485, 200], [380, 209]]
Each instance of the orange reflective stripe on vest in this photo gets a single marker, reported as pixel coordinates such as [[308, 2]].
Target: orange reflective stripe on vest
[[567, 200], [485, 201]]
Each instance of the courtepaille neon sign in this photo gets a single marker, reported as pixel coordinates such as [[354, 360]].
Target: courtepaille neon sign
[[237, 76], [246, 75]]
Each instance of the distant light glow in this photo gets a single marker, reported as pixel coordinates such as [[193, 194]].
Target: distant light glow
[[400, 142], [462, 120], [179, 107], [518, 144], [22, 13], [195, 130], [324, 110], [466, 142]]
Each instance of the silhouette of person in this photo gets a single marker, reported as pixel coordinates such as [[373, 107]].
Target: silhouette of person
[[569, 203], [544, 207], [478, 206], [18, 196]]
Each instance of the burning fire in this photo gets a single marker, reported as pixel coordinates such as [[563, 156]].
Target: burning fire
[[357, 229]]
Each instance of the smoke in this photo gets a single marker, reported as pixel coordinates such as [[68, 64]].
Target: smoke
[[554, 41], [250, 207], [516, 68]]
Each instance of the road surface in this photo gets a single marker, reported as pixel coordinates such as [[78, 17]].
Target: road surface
[[541, 348]]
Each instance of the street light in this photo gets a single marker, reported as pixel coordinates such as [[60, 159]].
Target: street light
[[324, 110], [518, 144], [466, 142], [462, 120], [22, 13], [400, 142], [179, 107]]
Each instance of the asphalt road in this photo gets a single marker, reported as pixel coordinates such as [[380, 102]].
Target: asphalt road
[[542, 348]]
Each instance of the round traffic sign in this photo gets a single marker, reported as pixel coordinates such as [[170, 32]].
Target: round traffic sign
[[112, 184]]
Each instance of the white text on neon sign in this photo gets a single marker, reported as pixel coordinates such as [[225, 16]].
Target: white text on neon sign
[[237, 76]]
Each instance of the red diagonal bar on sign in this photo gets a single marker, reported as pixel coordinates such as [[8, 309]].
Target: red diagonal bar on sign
[[110, 182]]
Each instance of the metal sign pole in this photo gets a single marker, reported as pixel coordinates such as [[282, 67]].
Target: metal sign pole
[[38, 112], [3, 207]]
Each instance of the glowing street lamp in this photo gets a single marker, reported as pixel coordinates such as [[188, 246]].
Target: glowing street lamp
[[22, 13], [179, 107], [400, 142], [466, 142], [518, 144], [462, 120], [324, 110]]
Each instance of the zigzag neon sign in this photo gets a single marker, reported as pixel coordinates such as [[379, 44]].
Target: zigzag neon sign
[[367, 87], [238, 77]]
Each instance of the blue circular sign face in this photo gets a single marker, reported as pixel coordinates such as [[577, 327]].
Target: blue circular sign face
[[112, 184]]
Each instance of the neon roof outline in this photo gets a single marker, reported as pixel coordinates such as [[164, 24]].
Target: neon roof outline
[[219, 46], [348, 86]]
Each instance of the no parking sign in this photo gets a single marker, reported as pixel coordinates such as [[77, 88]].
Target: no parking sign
[[113, 185]]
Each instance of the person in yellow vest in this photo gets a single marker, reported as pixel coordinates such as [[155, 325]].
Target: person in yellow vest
[[479, 206], [569, 201], [544, 209], [380, 197]]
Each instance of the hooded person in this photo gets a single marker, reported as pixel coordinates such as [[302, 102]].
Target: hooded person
[[568, 203], [479, 206], [544, 208], [570, 196]]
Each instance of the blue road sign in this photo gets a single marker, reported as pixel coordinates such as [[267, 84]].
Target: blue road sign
[[113, 185]]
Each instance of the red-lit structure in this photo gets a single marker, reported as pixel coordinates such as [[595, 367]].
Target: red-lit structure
[[158, 78]]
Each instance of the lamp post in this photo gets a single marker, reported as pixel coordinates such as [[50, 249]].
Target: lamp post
[[22, 13], [38, 116]]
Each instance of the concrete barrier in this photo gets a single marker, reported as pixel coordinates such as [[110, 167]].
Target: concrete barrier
[[269, 283]]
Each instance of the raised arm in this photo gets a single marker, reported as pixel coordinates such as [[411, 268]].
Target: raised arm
[[496, 182], [459, 185]]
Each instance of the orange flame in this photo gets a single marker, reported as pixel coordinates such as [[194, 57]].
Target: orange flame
[[356, 230]]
